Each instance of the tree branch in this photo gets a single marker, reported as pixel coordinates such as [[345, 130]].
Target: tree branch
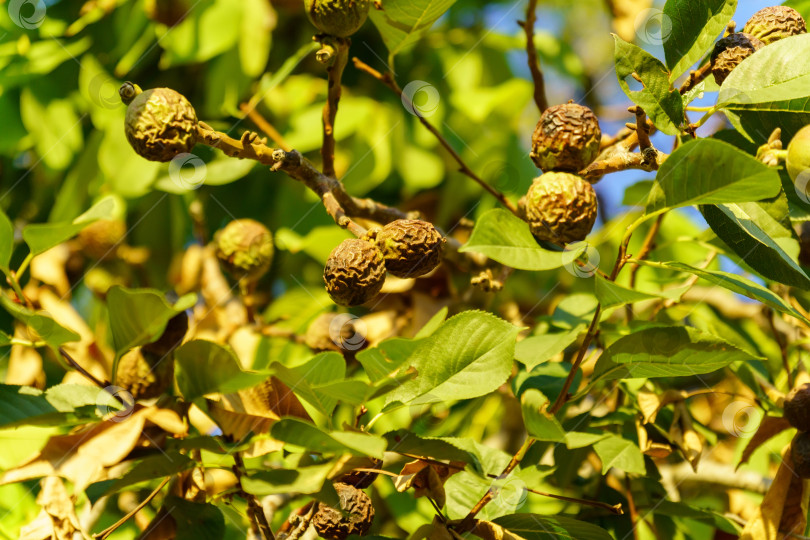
[[388, 80], [534, 63], [334, 52]]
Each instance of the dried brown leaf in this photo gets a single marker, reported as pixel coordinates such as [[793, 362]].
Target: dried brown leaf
[[765, 523], [769, 427], [58, 518]]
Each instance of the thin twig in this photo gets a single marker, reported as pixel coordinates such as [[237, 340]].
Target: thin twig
[[646, 248], [262, 123], [338, 59], [109, 530], [783, 349], [255, 510], [696, 77], [388, 80], [87, 374], [615, 509], [534, 62]]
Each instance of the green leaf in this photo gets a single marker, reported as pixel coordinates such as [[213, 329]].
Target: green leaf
[[452, 362], [255, 38], [737, 284], [769, 90], [205, 367], [620, 453], [430, 447], [403, 22], [535, 350], [539, 423], [55, 126], [42, 237], [51, 332], [666, 352], [662, 104], [708, 171], [62, 404], [538, 527], [139, 316], [195, 521], [694, 26], [306, 435], [505, 238], [6, 242], [151, 467], [381, 361], [306, 480], [762, 242], [611, 294], [307, 379]]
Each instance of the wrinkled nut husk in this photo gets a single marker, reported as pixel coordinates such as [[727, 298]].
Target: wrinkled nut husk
[[340, 18], [354, 272], [145, 375], [172, 336], [567, 138], [798, 155], [804, 244], [800, 452], [560, 208], [161, 124], [410, 247], [774, 23], [362, 479], [100, 240], [245, 249], [797, 407], [730, 51], [168, 12], [354, 516]]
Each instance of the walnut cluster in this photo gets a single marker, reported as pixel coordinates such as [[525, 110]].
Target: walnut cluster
[[567, 138], [354, 516], [560, 208], [160, 124], [354, 272]]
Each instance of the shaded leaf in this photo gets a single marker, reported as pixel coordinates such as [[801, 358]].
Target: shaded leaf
[[618, 452], [311, 437], [693, 28], [205, 367]]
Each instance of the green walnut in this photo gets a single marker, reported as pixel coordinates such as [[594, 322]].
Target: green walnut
[[353, 516], [354, 272], [560, 208], [774, 23], [160, 123], [800, 454], [410, 247], [730, 51], [172, 336], [144, 374], [245, 249], [797, 407], [798, 154], [100, 240], [567, 138], [340, 18]]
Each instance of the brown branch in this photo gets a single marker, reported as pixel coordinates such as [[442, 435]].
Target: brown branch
[[265, 126], [109, 530], [388, 80], [615, 509], [255, 510], [534, 62], [783, 347], [696, 77], [101, 384], [335, 51], [646, 248]]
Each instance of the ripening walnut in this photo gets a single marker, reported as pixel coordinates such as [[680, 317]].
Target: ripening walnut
[[340, 18], [354, 272], [354, 516], [410, 247], [560, 208], [774, 23], [730, 51], [567, 138]]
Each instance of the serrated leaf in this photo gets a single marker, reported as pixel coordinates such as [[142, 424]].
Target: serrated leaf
[[403, 22], [306, 379], [306, 480], [59, 405], [195, 521], [693, 28], [666, 352], [204, 367], [539, 423], [737, 284], [469, 355], [769, 89], [620, 453], [708, 171], [538, 527], [51, 332], [662, 104], [431, 447], [535, 350], [611, 294], [311, 437], [761, 241], [505, 238]]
